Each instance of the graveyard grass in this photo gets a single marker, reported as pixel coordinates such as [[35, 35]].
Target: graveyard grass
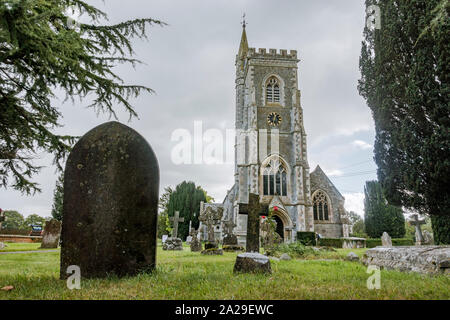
[[187, 275]]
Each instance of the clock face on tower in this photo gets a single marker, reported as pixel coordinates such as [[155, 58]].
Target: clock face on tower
[[274, 119]]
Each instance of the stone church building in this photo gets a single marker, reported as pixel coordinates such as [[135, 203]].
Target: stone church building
[[271, 151]]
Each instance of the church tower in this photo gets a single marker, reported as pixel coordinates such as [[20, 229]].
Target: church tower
[[270, 149]]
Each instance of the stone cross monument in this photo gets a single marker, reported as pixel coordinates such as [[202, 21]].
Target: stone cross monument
[[417, 223], [253, 209], [211, 217], [175, 219]]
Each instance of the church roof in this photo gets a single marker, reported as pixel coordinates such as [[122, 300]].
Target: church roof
[[319, 172]]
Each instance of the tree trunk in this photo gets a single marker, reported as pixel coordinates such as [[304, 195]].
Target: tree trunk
[[441, 228]]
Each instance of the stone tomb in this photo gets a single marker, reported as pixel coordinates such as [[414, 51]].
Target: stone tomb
[[51, 235], [111, 186], [422, 259]]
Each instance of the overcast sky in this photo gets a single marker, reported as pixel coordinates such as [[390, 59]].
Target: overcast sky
[[190, 65]]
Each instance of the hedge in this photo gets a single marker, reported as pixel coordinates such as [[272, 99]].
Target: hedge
[[372, 243], [307, 238], [331, 242]]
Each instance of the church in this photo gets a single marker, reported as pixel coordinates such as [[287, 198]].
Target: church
[[271, 151]]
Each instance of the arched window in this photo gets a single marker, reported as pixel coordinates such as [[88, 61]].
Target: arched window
[[274, 179], [320, 206], [272, 90]]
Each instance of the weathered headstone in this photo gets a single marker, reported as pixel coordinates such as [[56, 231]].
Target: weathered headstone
[[51, 235], [111, 186], [195, 244], [164, 238], [417, 223], [229, 238], [188, 239], [428, 238], [386, 240], [2, 246], [210, 216]]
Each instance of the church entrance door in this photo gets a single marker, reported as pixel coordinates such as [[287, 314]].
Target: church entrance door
[[280, 226]]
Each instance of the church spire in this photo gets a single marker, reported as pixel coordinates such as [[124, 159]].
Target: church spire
[[243, 48]]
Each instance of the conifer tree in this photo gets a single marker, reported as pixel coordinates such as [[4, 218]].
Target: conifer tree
[[405, 70], [43, 50], [379, 215], [186, 199], [58, 196]]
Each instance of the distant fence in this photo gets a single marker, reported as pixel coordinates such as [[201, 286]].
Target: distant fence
[[19, 238]]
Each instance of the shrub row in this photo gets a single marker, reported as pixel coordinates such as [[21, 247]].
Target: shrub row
[[307, 238], [372, 243], [331, 242]]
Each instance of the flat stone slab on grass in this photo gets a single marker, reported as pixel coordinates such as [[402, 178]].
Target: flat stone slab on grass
[[252, 262], [422, 259]]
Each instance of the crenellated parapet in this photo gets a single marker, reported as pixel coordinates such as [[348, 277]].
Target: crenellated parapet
[[271, 53]]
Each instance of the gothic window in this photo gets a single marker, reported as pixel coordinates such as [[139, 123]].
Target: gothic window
[[320, 206], [274, 179], [272, 90]]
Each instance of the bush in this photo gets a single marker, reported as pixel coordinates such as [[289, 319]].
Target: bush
[[307, 238], [295, 249], [331, 242], [372, 243]]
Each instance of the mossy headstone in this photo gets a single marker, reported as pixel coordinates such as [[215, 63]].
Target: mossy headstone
[[51, 234], [111, 187]]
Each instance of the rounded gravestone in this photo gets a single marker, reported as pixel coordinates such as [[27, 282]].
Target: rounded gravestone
[[111, 187]]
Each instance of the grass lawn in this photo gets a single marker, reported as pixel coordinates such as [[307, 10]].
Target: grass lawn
[[21, 247], [186, 275]]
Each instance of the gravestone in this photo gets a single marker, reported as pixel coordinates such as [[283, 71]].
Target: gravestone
[[195, 244], [229, 239], [111, 186], [417, 223], [164, 238], [254, 210], [173, 242], [188, 239], [2, 246], [386, 240], [210, 216], [51, 235], [428, 238]]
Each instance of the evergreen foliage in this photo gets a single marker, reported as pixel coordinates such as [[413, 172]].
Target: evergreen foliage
[[405, 70], [40, 52], [58, 196], [186, 199], [379, 215]]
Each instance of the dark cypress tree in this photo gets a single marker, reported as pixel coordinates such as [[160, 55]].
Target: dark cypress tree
[[379, 215], [405, 70], [186, 199], [58, 196]]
